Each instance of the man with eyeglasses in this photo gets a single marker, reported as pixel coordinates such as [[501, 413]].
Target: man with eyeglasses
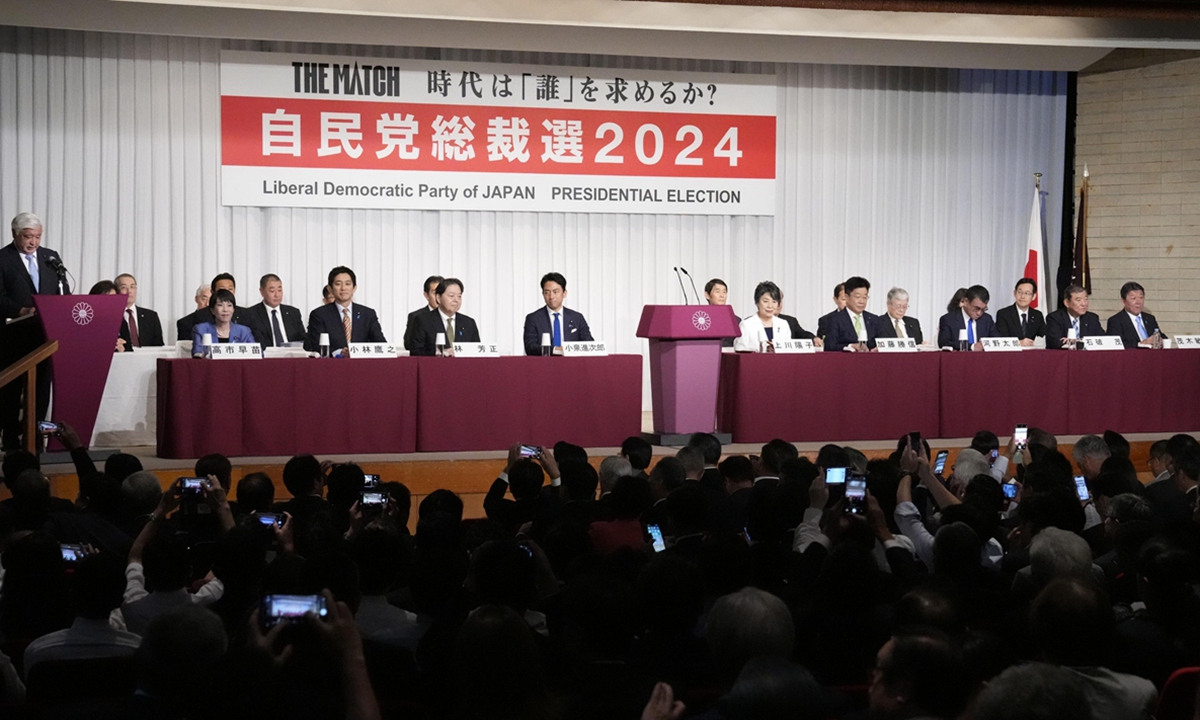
[[972, 316], [1019, 320]]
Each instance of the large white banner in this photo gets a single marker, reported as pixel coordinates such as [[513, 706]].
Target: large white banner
[[345, 132]]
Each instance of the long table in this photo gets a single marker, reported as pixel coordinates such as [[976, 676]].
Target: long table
[[395, 405], [874, 396]]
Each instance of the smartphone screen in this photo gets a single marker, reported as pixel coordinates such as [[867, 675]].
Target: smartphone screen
[[71, 553], [370, 481], [657, 537], [992, 458], [290, 608], [856, 496], [939, 464], [1081, 488], [47, 428], [373, 498], [1021, 436], [193, 485], [270, 519], [531, 451], [1010, 490], [835, 476]]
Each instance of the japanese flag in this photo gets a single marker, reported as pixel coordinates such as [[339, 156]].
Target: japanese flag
[[1035, 259]]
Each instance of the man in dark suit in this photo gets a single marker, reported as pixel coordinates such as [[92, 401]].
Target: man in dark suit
[[839, 299], [185, 324], [273, 323], [896, 323], [448, 321], [1073, 315], [972, 316], [798, 332], [26, 269], [1136, 328], [139, 326], [333, 318], [430, 306], [560, 323], [853, 328], [1019, 320]]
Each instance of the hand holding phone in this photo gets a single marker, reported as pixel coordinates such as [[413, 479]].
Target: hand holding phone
[[939, 464], [531, 451], [1021, 437], [45, 427], [1081, 489], [835, 476], [856, 496], [290, 609], [656, 538], [1010, 490]]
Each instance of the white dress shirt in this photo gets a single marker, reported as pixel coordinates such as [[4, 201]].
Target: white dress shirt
[[272, 313], [84, 640]]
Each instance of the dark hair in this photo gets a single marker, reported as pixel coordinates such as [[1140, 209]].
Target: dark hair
[[638, 451], [338, 271], [767, 288], [929, 666], [1073, 289], [564, 451], [830, 456], [1118, 446], [99, 585], [380, 557], [223, 276], [956, 300], [838, 289], [737, 469], [579, 480], [256, 492], [687, 509], [17, 462], [443, 501], [344, 485], [166, 561], [1158, 450], [400, 498], [985, 441], [553, 277], [432, 280], [218, 465], [326, 291], [978, 292], [446, 283], [630, 497], [776, 452], [1072, 623], [708, 286], [221, 296], [1131, 286], [1026, 281], [103, 287], [301, 475], [525, 479], [857, 282], [1188, 462], [709, 445], [262, 281], [668, 473]]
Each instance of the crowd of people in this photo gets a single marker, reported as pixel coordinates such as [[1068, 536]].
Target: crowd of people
[[698, 585]]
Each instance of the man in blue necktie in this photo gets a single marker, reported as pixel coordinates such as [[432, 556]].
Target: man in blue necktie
[[26, 269], [562, 324], [972, 316], [1136, 327]]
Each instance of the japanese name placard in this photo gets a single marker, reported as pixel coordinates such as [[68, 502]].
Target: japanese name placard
[[317, 131]]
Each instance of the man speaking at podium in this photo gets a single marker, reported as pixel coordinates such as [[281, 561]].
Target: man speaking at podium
[[26, 269]]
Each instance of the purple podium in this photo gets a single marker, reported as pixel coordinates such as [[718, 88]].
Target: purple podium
[[685, 367], [86, 328]]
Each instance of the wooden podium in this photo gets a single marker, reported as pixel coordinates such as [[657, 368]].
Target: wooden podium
[[685, 367]]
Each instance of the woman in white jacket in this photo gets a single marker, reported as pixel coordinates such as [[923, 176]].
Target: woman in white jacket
[[762, 329]]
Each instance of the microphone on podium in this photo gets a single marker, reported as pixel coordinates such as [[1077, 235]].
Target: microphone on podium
[[693, 282], [681, 289]]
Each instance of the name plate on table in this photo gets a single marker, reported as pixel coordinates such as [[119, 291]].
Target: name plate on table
[[791, 347], [886, 345], [1008, 344], [236, 351], [464, 350], [372, 350], [594, 348], [1103, 342], [1191, 342]]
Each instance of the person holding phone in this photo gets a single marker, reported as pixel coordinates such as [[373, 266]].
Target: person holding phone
[[760, 331], [222, 329], [523, 477]]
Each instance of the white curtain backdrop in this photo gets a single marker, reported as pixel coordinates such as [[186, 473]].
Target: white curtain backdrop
[[910, 177]]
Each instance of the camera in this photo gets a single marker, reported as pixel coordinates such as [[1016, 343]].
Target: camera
[[370, 481], [192, 485], [531, 451], [290, 609], [856, 496], [271, 519], [45, 427], [71, 553]]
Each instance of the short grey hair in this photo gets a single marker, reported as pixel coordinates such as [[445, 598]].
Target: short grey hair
[[747, 624], [692, 459], [858, 461], [1056, 553], [25, 221], [1054, 690], [1128, 507], [896, 294], [200, 290], [142, 492], [969, 463], [612, 469], [1091, 446]]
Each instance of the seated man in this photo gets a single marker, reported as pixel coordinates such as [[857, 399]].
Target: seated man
[[1073, 315], [187, 323], [99, 585], [1019, 320], [896, 323], [457, 328], [430, 293], [344, 320], [798, 332], [1136, 328], [853, 328], [560, 323], [139, 326], [273, 323], [972, 316], [839, 300]]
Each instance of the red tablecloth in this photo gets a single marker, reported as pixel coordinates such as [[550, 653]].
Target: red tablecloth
[[995, 391], [1135, 391], [286, 406], [490, 403], [828, 396]]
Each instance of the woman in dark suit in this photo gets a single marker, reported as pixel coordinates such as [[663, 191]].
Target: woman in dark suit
[[222, 329]]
